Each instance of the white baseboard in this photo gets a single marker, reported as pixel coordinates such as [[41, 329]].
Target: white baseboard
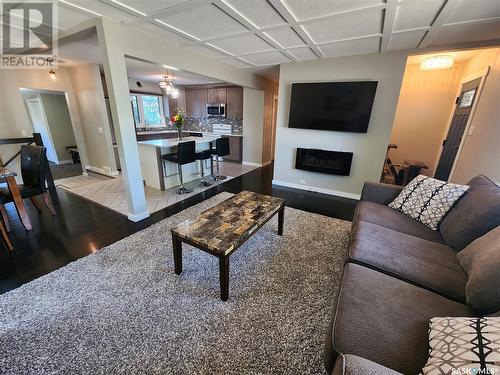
[[266, 163], [68, 161], [252, 164], [138, 217], [101, 171], [317, 189]]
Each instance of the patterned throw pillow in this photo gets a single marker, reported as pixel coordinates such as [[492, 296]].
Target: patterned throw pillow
[[464, 346], [428, 200]]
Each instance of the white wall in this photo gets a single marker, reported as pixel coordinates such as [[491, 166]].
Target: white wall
[[253, 126], [87, 84], [369, 149], [481, 149]]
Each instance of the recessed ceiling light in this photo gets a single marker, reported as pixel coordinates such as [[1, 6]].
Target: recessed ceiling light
[[128, 7], [176, 29], [80, 8], [437, 62], [170, 67], [240, 14], [220, 49]]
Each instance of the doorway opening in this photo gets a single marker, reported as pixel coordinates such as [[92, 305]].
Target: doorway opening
[[438, 98], [49, 115]]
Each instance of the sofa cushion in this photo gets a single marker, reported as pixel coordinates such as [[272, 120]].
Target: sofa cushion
[[429, 264], [463, 344], [354, 365], [428, 200], [387, 217], [386, 320], [474, 215], [481, 260]]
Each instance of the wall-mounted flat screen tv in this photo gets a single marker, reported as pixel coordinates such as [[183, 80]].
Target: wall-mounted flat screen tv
[[335, 106]]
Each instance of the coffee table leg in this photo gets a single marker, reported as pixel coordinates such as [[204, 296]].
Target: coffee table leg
[[177, 247], [224, 277], [281, 219]]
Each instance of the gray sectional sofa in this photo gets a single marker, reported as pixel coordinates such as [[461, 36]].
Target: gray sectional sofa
[[400, 274]]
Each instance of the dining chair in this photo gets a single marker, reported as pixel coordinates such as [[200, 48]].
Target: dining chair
[[33, 175], [5, 236]]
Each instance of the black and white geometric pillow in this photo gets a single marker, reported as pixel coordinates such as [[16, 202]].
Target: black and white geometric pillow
[[464, 346], [428, 200]]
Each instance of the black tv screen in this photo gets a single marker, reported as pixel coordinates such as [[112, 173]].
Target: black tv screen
[[335, 106]]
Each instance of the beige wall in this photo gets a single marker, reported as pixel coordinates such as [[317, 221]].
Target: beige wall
[[87, 83], [425, 103], [14, 119], [369, 149], [481, 149], [253, 113], [59, 122]]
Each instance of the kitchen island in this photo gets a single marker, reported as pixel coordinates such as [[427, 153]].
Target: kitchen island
[[153, 171]]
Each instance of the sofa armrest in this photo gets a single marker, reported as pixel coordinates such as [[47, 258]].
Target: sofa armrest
[[380, 193], [354, 365]]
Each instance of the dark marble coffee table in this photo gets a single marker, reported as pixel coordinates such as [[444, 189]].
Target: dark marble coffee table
[[225, 227]]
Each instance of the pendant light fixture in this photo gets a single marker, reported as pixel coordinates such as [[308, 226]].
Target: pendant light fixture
[[166, 84]]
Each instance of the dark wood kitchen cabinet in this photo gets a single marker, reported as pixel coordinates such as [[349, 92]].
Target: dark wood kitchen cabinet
[[234, 102], [196, 102], [217, 95], [179, 103]]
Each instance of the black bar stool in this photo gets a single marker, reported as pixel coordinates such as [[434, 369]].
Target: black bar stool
[[185, 154], [221, 149], [202, 156]]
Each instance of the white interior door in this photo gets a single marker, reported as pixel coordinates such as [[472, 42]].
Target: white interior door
[[40, 125]]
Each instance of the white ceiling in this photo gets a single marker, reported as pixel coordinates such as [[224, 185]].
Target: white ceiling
[[258, 34]]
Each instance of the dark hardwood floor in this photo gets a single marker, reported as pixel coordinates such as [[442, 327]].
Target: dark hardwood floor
[[82, 227]]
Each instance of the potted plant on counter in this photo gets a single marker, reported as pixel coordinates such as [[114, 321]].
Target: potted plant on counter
[[178, 121]]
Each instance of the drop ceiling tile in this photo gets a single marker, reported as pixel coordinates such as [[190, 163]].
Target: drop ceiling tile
[[286, 37], [405, 40], [474, 10], [104, 9], [237, 63], [303, 53], [351, 47], [259, 12], [151, 6], [413, 14], [468, 32], [69, 17], [303, 9], [267, 58], [241, 44], [158, 30], [346, 26], [205, 51], [204, 22]]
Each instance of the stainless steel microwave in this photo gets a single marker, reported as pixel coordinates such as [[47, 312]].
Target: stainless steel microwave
[[216, 110]]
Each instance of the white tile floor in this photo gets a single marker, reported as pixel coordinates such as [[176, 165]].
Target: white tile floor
[[110, 193]]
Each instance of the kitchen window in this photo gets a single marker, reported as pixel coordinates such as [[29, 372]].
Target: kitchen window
[[147, 110]]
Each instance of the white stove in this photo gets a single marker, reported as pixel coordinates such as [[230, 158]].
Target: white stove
[[225, 129]]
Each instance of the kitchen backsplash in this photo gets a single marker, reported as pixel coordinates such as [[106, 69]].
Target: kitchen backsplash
[[205, 124]]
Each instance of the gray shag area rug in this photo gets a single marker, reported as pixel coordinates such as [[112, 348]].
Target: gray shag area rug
[[123, 310]]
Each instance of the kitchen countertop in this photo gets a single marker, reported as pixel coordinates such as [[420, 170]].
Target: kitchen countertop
[[168, 143], [186, 131]]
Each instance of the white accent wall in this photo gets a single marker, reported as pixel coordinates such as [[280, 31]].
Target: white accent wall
[[369, 149]]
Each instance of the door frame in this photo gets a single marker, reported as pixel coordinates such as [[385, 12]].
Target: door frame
[[482, 74], [274, 122], [37, 99]]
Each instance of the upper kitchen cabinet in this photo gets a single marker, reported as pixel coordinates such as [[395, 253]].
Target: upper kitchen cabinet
[[196, 102], [217, 95], [179, 103], [234, 100]]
